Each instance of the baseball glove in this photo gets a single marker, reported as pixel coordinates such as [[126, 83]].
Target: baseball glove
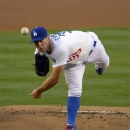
[[41, 65]]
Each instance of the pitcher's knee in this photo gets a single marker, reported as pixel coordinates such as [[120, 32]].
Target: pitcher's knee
[[104, 64], [107, 63], [74, 93]]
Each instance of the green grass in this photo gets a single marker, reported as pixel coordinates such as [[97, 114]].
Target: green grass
[[18, 78]]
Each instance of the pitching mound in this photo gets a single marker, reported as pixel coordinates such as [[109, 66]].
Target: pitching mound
[[55, 118]]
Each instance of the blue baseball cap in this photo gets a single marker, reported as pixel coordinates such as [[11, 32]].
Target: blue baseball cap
[[38, 33]]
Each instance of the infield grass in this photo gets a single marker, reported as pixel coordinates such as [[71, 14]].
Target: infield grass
[[18, 78]]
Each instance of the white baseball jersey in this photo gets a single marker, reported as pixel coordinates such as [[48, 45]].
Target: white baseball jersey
[[70, 47]]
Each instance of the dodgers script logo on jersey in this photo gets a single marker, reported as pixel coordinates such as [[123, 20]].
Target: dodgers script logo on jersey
[[58, 35]]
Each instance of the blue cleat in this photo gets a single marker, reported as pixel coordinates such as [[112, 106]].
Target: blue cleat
[[99, 70]]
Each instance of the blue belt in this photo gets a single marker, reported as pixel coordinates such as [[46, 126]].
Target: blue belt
[[94, 44]]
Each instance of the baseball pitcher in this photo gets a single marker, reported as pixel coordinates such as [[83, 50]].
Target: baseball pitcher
[[70, 52]]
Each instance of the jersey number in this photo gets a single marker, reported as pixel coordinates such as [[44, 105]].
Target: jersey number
[[75, 55]]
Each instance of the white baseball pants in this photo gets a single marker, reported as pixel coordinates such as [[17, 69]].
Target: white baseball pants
[[74, 72]]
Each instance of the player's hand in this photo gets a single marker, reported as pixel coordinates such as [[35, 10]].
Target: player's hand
[[35, 94]]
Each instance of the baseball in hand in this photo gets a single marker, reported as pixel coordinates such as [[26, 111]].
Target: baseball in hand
[[24, 31]]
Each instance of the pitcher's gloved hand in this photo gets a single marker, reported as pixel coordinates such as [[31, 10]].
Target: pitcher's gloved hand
[[41, 65]]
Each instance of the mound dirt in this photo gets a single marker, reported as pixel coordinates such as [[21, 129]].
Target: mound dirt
[[55, 118]]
